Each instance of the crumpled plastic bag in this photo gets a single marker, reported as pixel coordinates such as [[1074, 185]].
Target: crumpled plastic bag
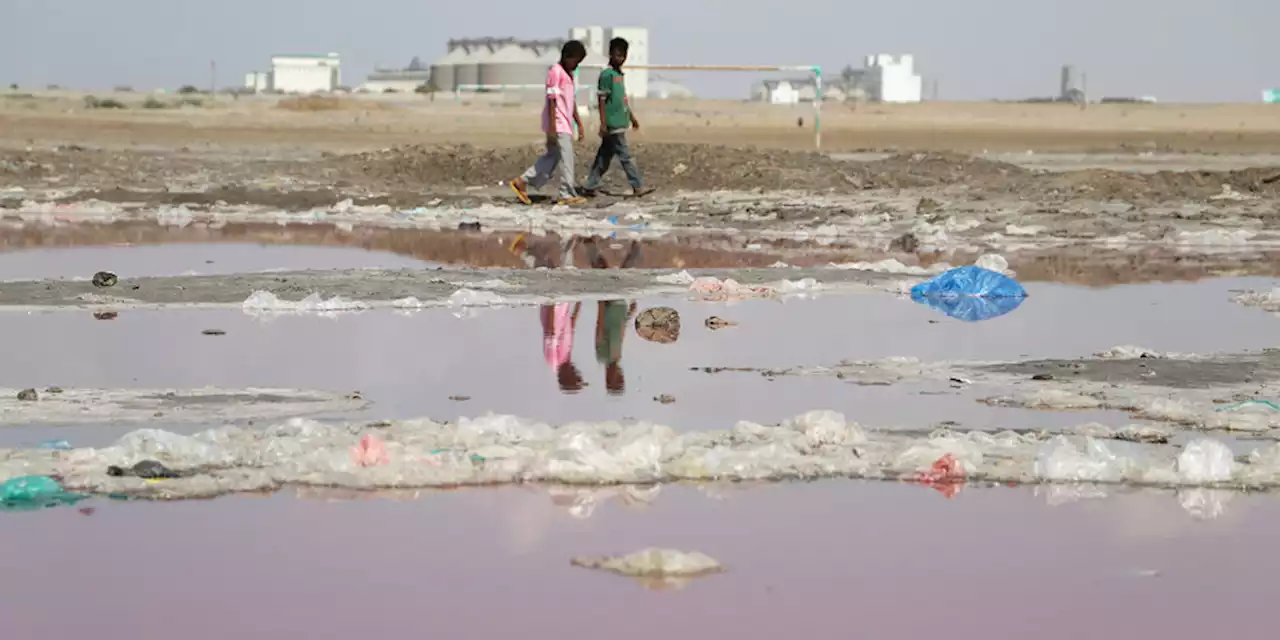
[[969, 281], [946, 476], [970, 293], [371, 451], [1206, 461], [1061, 461]]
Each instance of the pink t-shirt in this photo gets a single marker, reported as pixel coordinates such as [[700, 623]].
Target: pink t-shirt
[[560, 91]]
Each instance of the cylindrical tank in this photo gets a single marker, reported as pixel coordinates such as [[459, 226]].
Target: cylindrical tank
[[442, 77], [467, 73], [510, 65], [443, 71]]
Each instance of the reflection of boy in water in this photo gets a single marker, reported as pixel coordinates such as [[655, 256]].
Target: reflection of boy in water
[[558, 320], [558, 323], [611, 320]]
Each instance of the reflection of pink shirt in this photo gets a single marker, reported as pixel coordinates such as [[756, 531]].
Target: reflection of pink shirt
[[557, 333], [560, 89]]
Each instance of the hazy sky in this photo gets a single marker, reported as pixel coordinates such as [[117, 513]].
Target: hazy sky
[[1177, 50]]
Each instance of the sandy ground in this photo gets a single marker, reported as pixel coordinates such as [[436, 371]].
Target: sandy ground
[[1171, 176], [363, 122]]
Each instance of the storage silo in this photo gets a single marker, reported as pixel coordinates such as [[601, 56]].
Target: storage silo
[[467, 74], [512, 64], [443, 70]]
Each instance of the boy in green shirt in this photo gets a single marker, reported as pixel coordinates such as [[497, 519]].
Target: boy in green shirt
[[615, 119]]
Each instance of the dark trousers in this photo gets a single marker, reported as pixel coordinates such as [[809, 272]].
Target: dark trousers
[[613, 144]]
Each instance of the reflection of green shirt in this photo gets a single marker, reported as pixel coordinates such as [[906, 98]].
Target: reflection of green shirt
[[609, 345], [613, 87]]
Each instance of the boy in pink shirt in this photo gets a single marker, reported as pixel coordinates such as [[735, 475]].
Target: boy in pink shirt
[[559, 118]]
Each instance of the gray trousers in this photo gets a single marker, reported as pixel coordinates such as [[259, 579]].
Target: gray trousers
[[559, 155]]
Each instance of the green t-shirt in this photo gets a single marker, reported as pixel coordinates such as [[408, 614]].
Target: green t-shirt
[[613, 88]]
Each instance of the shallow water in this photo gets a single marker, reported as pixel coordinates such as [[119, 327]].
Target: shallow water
[[435, 363], [822, 560], [190, 259]]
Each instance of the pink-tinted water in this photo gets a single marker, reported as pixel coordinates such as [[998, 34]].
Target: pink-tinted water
[[824, 560]]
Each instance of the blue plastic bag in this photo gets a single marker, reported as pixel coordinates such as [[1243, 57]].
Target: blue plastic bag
[[970, 293]]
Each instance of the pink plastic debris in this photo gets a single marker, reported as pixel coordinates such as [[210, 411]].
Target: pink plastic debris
[[371, 451], [946, 476], [714, 289]]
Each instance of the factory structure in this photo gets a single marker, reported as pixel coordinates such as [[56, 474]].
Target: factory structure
[[511, 64], [298, 73], [883, 78], [406, 80], [494, 64]]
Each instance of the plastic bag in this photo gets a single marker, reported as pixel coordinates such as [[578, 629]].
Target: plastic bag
[[970, 293], [969, 281], [26, 493]]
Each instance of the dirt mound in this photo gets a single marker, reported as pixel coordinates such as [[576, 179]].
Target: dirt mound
[[673, 166], [1162, 185], [914, 170]]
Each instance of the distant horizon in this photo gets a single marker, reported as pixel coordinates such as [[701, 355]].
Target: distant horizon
[[979, 50]]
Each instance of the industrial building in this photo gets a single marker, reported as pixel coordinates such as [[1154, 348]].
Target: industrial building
[[298, 73], [512, 64], [884, 78], [406, 80]]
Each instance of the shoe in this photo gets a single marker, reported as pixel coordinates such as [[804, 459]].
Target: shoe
[[642, 192], [589, 192], [521, 192]]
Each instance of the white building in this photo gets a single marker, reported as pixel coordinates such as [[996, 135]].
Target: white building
[[298, 73], [892, 78], [257, 81], [597, 40], [305, 73], [795, 91], [781, 91]]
